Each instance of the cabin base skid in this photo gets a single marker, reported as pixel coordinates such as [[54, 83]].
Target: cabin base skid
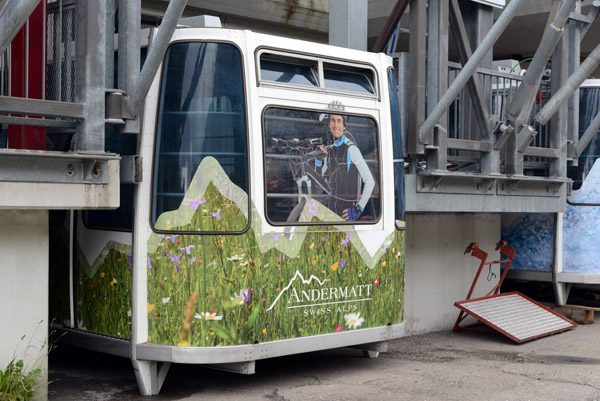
[[152, 361]]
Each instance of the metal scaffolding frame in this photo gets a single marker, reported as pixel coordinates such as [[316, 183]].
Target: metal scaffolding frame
[[477, 139], [82, 97]]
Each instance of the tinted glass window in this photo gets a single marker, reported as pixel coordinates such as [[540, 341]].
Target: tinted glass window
[[287, 73], [397, 143], [201, 115], [348, 81], [320, 167]]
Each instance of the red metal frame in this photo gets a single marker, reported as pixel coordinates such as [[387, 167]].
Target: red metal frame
[[29, 61], [498, 329], [473, 247], [508, 254]]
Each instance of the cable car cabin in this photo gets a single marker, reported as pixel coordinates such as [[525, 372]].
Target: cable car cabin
[[269, 218]]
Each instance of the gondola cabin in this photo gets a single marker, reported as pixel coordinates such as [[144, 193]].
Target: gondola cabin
[[268, 219]]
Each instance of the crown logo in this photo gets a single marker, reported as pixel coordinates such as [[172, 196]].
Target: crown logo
[[336, 105]]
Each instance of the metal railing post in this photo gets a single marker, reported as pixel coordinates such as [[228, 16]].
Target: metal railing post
[[469, 69]]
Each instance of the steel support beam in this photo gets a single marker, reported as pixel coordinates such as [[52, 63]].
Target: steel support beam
[[348, 23], [54, 167], [12, 17], [592, 15], [37, 107], [589, 134], [90, 74], [459, 31], [574, 81], [559, 124], [417, 68], [573, 30], [520, 106], [129, 52], [155, 55], [437, 78], [469, 69], [110, 44]]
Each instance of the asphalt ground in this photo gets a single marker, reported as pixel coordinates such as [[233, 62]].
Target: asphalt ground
[[434, 366]]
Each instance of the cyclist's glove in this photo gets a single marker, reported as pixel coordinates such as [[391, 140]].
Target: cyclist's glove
[[354, 213]]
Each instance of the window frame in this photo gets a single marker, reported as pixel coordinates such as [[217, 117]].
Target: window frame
[[341, 64], [155, 142], [377, 179]]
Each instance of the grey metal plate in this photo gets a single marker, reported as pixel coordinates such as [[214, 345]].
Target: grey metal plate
[[516, 316]]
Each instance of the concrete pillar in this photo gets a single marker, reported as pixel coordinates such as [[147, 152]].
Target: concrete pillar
[[24, 290], [348, 23], [437, 271]]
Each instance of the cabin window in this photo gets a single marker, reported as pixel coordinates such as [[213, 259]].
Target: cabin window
[[397, 145], [201, 159], [316, 72], [351, 80], [286, 72], [320, 167]]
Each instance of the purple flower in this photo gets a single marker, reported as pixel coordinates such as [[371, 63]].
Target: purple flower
[[128, 261], [312, 209], [194, 203], [217, 214], [187, 249], [149, 263], [164, 253], [324, 239], [276, 237], [345, 241], [342, 263], [246, 295], [172, 238], [175, 259]]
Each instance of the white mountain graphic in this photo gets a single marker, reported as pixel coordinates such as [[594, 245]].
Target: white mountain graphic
[[304, 281], [210, 170]]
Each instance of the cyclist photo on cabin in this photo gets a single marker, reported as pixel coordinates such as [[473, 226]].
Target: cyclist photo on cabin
[[325, 163]]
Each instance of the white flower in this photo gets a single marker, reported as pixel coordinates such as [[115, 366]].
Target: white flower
[[353, 320], [129, 313], [166, 300], [242, 297], [208, 316]]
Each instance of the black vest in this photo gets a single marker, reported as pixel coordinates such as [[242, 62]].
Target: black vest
[[345, 180]]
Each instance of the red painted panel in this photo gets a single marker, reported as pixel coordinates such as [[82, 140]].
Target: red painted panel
[[19, 136]]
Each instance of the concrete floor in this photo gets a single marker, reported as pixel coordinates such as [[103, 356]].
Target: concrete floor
[[434, 366]]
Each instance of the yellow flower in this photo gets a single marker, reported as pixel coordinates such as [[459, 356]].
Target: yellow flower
[[397, 256], [212, 333], [383, 263], [324, 272], [264, 331], [393, 250], [334, 266], [278, 289], [151, 307], [184, 343], [79, 303], [314, 262], [102, 275], [242, 276]]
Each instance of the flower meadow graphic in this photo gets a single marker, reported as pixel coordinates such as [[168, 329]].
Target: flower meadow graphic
[[229, 289]]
